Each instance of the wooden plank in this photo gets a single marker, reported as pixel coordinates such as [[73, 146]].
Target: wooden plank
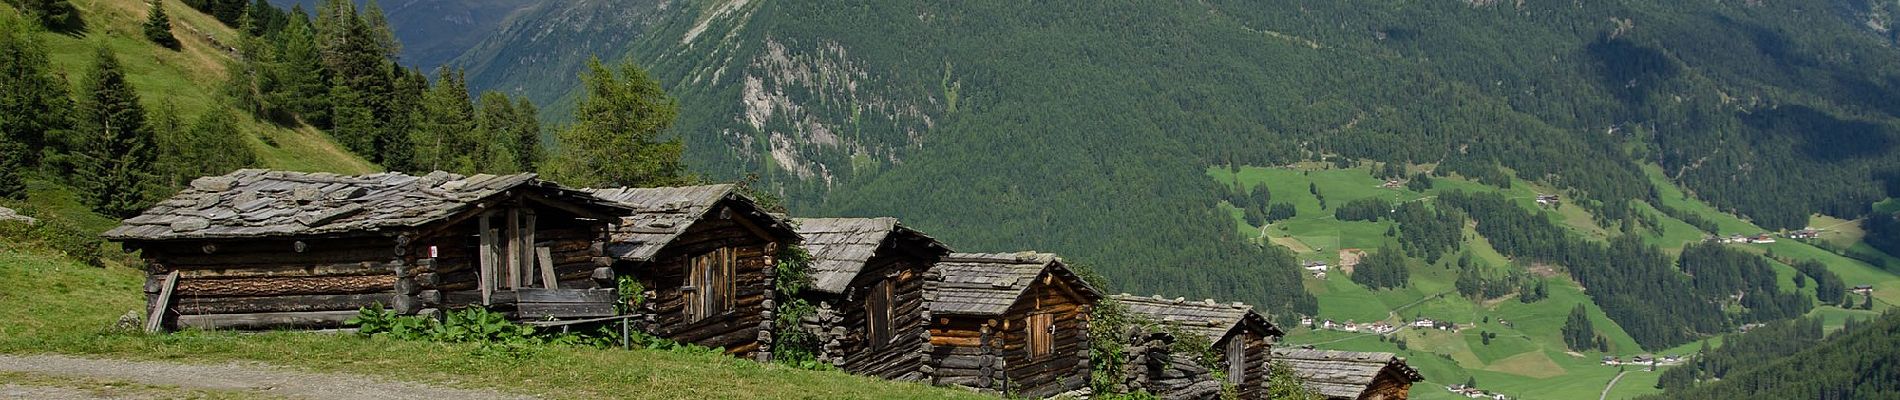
[[512, 250], [536, 295], [247, 287], [313, 319], [277, 271], [155, 321], [528, 251], [487, 279], [546, 258], [532, 311], [243, 305]]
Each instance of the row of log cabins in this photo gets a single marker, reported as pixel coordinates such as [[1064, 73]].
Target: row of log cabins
[[259, 249]]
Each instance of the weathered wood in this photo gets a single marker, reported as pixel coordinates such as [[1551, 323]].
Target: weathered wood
[[528, 310], [246, 305], [488, 261], [543, 254], [533, 295], [287, 271], [285, 286], [155, 320], [511, 250], [312, 319], [459, 298], [527, 248]]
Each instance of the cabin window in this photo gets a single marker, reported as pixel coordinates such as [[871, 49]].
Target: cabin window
[[711, 279], [877, 313], [1237, 360], [1042, 335]]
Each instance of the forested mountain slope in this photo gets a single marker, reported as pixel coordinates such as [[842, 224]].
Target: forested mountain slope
[[435, 31], [1084, 128]]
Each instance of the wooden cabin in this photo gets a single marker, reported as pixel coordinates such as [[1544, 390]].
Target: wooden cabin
[[1152, 366], [707, 256], [1351, 375], [259, 249], [867, 281], [1244, 338], [1015, 323]]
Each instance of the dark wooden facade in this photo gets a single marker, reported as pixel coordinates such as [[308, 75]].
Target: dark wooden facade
[[1015, 323], [259, 249], [1153, 367], [1351, 375], [868, 285], [706, 256], [1244, 338]]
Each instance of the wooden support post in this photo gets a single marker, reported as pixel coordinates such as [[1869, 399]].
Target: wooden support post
[[487, 275], [513, 251], [155, 321], [528, 254], [548, 279]]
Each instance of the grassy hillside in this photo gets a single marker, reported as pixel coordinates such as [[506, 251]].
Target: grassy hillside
[[190, 78], [1528, 358]]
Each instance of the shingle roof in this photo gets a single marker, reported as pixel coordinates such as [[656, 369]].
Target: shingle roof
[[1207, 318], [988, 283], [1341, 374], [662, 214], [262, 203], [840, 247]]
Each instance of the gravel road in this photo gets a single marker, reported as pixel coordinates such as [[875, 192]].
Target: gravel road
[[260, 379]]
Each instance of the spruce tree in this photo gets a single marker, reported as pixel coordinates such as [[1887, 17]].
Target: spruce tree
[[445, 135], [527, 132], [12, 166], [34, 104], [302, 90], [158, 27], [1578, 334], [495, 119], [116, 150], [616, 137]]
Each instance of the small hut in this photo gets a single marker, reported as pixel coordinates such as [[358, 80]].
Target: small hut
[[1351, 375], [707, 258], [257, 249], [1151, 365], [868, 285], [1009, 321], [1243, 337]]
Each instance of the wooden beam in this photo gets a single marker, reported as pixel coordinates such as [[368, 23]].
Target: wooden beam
[[512, 252], [313, 319], [535, 311], [754, 228], [546, 257], [533, 295], [487, 275], [565, 206], [155, 321], [528, 252]]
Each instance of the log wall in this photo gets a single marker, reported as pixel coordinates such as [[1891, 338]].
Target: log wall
[[964, 352], [320, 282], [745, 328], [846, 339], [1259, 350], [1389, 385], [1067, 366]]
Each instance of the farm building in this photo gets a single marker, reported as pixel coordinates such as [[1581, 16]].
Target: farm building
[[706, 256], [1351, 375], [1243, 337], [1152, 366], [867, 281], [257, 249], [1016, 321]]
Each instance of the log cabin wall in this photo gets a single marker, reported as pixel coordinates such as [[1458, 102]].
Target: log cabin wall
[[448, 264], [743, 327], [257, 284], [903, 354], [965, 351], [1390, 385], [1258, 350], [1065, 366]]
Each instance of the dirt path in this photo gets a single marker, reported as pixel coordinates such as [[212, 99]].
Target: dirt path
[[252, 378], [1612, 385]]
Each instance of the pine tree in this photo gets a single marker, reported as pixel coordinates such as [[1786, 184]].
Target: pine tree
[[527, 132], [158, 27], [302, 89], [57, 15], [495, 120], [1578, 334], [380, 33], [615, 140], [211, 145], [445, 135], [34, 104], [117, 150]]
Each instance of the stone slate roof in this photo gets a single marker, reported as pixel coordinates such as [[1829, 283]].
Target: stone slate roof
[[985, 284], [254, 203], [662, 214], [840, 247], [1207, 318], [1342, 374]]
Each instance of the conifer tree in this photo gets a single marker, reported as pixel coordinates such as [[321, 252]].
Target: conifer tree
[[616, 137], [34, 103], [57, 15], [499, 144], [158, 27], [527, 132], [116, 151], [302, 90], [444, 135], [1578, 334]]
